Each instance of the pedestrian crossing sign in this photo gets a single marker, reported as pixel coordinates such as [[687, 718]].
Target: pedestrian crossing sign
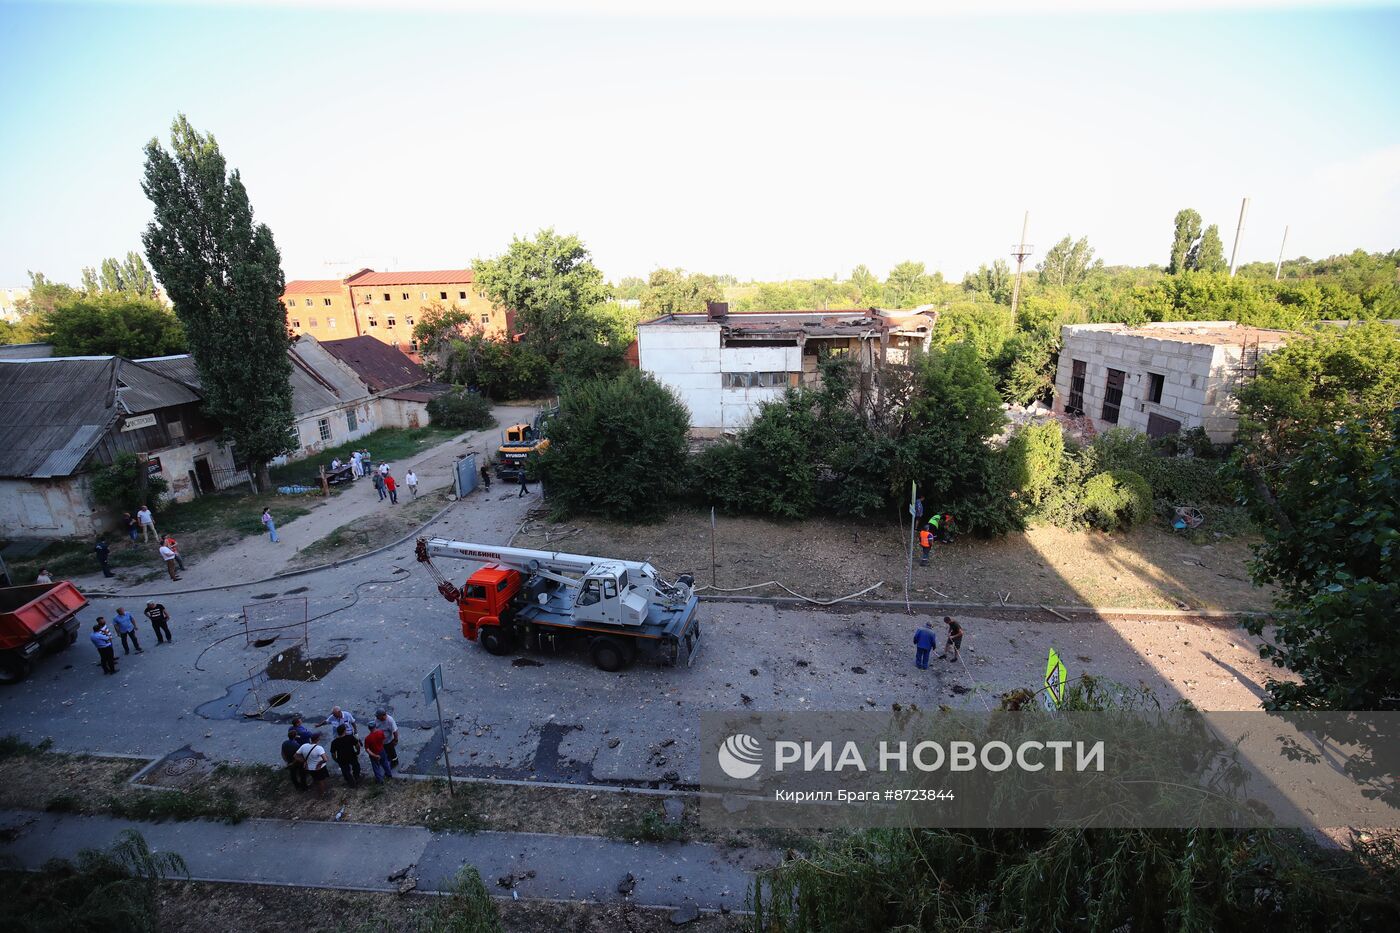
[[1055, 676]]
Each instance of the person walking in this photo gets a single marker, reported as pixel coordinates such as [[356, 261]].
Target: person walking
[[955, 636], [338, 718], [924, 642], [170, 543], [269, 524], [148, 523], [391, 735], [103, 553], [132, 529], [295, 771], [102, 637], [44, 576], [168, 556], [486, 476], [378, 757], [379, 485], [313, 759], [160, 622], [392, 486], [524, 485], [926, 544], [357, 467], [410, 479], [126, 628], [345, 751]]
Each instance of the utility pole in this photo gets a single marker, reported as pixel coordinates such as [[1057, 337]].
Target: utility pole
[[1278, 266], [1021, 250], [1239, 229]]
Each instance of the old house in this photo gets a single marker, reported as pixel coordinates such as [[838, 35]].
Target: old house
[[724, 366], [399, 387], [60, 418], [1159, 378]]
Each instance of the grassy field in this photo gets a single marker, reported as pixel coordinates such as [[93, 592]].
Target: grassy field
[[385, 444]]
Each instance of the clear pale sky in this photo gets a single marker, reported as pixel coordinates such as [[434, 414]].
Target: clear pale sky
[[763, 146]]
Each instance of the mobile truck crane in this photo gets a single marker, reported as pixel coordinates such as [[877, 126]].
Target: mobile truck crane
[[542, 599]]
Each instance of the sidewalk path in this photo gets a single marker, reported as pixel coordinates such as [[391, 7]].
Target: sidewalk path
[[256, 557], [361, 856]]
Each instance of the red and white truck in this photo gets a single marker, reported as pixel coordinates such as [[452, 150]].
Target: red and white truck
[[34, 619]]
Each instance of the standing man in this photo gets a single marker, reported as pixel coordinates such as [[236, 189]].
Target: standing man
[[148, 523], [392, 486], [918, 509], [357, 468], [924, 642], [955, 634], [486, 476], [410, 479], [168, 556], [345, 751], [926, 543], [379, 485], [132, 529], [391, 736], [102, 638], [126, 628], [378, 758], [384, 468], [313, 759], [103, 553], [524, 485], [339, 718], [290, 745], [44, 576], [170, 543], [160, 622], [269, 524]]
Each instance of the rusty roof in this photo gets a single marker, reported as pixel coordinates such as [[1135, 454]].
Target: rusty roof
[[381, 367], [430, 277]]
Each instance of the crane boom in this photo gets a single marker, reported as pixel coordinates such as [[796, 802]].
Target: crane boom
[[526, 559]]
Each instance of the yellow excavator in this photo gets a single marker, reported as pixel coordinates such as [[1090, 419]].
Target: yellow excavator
[[519, 442]]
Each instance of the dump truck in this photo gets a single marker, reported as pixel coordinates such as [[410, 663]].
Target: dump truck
[[544, 600], [34, 619], [519, 442]]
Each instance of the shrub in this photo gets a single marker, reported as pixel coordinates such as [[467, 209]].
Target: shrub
[[463, 409], [720, 474], [1036, 454], [617, 449], [119, 485], [1117, 499], [779, 445]]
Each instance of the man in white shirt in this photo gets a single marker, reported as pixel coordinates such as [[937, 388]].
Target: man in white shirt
[[338, 718], [356, 467], [313, 760], [384, 468], [335, 464], [148, 523], [411, 481], [44, 576], [167, 555], [391, 735]]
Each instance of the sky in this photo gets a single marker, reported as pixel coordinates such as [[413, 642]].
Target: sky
[[764, 139]]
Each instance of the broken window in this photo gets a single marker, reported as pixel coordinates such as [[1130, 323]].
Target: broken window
[[1075, 404], [1155, 383], [1113, 395]]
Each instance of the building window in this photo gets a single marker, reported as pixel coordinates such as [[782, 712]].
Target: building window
[[408, 319], [330, 322], [442, 295], [405, 296], [311, 321], [367, 297], [1075, 404], [413, 346], [326, 302], [296, 324], [389, 322], [1155, 382], [755, 380], [308, 302], [1113, 395], [373, 322], [351, 421], [486, 319], [462, 295], [324, 426], [388, 297], [423, 296], [291, 302]]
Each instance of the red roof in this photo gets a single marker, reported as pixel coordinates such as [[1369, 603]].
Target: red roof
[[381, 367], [311, 286], [431, 277]]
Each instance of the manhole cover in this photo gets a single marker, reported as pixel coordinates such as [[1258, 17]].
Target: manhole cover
[[180, 766], [279, 699]]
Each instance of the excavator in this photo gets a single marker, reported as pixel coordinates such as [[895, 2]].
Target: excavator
[[519, 442], [543, 600]]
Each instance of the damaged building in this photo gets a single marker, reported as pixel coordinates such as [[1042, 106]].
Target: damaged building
[[725, 366]]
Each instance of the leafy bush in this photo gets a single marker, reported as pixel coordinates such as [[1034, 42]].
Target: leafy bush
[[721, 474], [1036, 454], [1117, 499], [618, 448], [119, 485], [496, 368], [460, 408], [778, 444]]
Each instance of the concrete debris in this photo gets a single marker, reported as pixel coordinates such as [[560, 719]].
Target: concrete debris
[[627, 884], [674, 809], [614, 742], [687, 913]]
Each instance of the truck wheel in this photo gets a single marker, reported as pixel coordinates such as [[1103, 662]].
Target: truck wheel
[[495, 640], [608, 654], [13, 668]]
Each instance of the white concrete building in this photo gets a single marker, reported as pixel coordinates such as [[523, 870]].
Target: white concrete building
[[1159, 378], [724, 366]]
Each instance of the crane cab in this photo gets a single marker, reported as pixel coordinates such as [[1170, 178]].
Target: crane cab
[[605, 596]]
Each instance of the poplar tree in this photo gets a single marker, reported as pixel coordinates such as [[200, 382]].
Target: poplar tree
[[223, 274], [1187, 232]]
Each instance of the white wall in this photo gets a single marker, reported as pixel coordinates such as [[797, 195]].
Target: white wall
[[49, 508], [686, 357], [177, 462], [1185, 366], [308, 430]]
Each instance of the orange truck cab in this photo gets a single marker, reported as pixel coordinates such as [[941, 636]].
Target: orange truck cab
[[485, 598]]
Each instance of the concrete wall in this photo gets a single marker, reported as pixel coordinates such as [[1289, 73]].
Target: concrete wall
[[1186, 367], [399, 413], [49, 508], [309, 440], [176, 463], [738, 407], [686, 357]]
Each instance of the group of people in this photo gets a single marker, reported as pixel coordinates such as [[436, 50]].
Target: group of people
[[125, 623], [925, 640], [938, 529], [138, 528], [307, 759], [388, 487]]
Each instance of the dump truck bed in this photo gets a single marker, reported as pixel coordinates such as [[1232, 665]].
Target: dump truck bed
[[30, 612]]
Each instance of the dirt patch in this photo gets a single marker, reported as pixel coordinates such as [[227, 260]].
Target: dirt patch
[[1149, 568], [292, 664], [32, 782], [363, 535], [197, 907]]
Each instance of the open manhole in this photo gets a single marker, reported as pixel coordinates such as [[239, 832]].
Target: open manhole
[[292, 665], [264, 642], [278, 699]]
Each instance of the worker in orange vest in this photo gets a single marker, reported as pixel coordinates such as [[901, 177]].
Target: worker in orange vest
[[925, 542]]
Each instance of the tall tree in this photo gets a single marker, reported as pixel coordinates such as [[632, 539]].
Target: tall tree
[[909, 285], [994, 281], [224, 275], [551, 283], [1188, 230], [1068, 262], [865, 287], [1208, 255], [672, 291]]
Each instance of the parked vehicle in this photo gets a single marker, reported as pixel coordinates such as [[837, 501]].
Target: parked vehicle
[[34, 619]]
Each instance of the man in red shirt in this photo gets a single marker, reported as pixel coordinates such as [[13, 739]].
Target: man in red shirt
[[378, 760], [392, 487]]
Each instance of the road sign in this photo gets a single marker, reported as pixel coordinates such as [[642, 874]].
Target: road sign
[[1055, 677], [432, 684]]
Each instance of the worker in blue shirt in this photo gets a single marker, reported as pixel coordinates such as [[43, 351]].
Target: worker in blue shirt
[[924, 642], [126, 629], [102, 638]]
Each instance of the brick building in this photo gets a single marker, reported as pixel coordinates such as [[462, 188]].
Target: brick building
[[385, 305]]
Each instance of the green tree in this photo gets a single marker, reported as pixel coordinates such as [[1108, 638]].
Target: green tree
[[1208, 255], [618, 449], [864, 287], [44, 295], [223, 273], [112, 324], [909, 286], [672, 291], [629, 288], [437, 328], [984, 326], [123, 485], [551, 283], [1188, 230], [992, 281], [466, 411], [498, 368], [1068, 262]]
